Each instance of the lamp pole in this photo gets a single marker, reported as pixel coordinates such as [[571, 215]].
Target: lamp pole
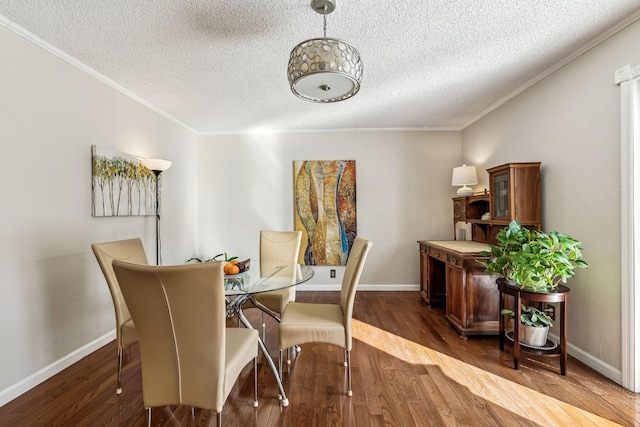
[[157, 174], [157, 166]]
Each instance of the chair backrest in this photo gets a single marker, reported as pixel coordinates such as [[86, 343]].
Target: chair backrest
[[353, 270], [129, 250], [280, 245], [180, 314]]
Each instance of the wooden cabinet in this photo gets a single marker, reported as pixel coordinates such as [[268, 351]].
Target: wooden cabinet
[[514, 195], [450, 274]]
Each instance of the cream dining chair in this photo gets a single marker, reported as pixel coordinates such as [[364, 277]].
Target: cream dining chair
[[277, 246], [326, 323], [189, 356], [130, 250]]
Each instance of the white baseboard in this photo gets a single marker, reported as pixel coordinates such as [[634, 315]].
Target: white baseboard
[[594, 363], [361, 287], [11, 392]]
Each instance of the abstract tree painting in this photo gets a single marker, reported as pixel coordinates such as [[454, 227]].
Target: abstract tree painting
[[121, 185], [325, 209]]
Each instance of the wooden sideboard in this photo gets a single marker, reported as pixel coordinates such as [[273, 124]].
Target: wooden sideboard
[[451, 276]]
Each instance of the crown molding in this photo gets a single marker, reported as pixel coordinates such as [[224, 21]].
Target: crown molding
[[555, 67], [80, 65]]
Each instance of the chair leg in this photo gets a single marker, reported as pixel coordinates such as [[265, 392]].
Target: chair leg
[[346, 362], [255, 382], [292, 353], [149, 417], [219, 419], [280, 364], [119, 387], [264, 328], [349, 391]]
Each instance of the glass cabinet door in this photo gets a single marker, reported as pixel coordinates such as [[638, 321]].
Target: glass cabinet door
[[500, 195]]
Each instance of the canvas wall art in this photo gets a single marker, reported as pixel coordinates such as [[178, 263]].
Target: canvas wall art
[[121, 185], [325, 209]]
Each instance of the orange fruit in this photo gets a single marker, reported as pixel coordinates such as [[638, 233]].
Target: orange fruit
[[226, 268], [235, 261], [234, 269]]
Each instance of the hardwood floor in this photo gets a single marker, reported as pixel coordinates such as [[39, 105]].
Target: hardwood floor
[[409, 369]]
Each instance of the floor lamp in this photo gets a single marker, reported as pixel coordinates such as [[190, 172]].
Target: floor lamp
[[157, 166]]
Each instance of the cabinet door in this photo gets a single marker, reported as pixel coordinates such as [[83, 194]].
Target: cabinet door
[[500, 195], [424, 274], [484, 298], [456, 301]]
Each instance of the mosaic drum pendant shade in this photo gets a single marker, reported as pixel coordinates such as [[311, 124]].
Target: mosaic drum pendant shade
[[324, 69]]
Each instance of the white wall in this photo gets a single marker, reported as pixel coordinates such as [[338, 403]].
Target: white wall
[[570, 121], [54, 298], [245, 184]]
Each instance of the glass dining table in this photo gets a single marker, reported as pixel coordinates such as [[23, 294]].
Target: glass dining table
[[269, 276]]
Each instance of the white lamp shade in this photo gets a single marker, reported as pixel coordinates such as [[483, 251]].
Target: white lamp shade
[[464, 175], [157, 164]]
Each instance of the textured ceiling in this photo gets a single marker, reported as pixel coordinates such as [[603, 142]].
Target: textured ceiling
[[220, 66]]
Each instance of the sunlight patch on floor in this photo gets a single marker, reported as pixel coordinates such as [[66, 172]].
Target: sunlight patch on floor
[[514, 397]]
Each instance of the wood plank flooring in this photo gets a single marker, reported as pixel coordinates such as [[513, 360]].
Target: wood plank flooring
[[410, 368]]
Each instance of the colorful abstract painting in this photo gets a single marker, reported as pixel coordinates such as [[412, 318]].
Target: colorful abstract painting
[[121, 185], [325, 209]]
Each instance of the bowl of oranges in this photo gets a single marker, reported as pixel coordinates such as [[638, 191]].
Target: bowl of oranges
[[235, 268]]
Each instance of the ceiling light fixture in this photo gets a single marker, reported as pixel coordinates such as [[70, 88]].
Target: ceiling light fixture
[[324, 69]]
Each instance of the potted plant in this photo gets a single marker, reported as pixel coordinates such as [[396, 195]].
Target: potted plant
[[534, 325], [532, 259]]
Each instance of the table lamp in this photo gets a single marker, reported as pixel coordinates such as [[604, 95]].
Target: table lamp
[[464, 175], [157, 166]]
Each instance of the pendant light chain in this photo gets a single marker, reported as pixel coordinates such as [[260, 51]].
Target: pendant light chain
[[325, 21]]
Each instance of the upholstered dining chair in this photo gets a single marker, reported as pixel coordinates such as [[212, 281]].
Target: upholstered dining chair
[[277, 246], [326, 323], [189, 356], [130, 250]]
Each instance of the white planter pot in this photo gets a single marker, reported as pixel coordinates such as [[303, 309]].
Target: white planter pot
[[533, 336]]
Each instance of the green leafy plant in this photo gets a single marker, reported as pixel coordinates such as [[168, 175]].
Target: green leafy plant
[[533, 259], [531, 316], [215, 258]]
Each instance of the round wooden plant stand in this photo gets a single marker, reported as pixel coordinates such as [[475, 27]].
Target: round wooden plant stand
[[558, 295]]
